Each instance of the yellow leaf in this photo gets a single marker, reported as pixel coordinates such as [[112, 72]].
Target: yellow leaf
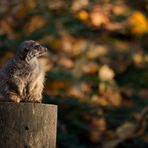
[[106, 73], [138, 58], [66, 62], [6, 27], [96, 52], [23, 8], [35, 23], [83, 15], [79, 46], [54, 87], [79, 4], [90, 68], [99, 16], [138, 23]]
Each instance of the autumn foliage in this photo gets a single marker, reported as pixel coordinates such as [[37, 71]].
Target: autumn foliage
[[97, 66]]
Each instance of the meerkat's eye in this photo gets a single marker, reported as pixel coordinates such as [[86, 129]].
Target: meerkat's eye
[[37, 46], [26, 50]]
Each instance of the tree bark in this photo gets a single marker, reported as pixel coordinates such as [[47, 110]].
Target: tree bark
[[28, 125]]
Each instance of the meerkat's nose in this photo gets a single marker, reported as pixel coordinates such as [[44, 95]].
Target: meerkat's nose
[[45, 49], [39, 50]]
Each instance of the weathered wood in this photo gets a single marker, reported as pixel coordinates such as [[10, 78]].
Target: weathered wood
[[27, 125]]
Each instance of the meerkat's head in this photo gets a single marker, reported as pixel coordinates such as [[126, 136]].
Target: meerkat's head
[[29, 50]]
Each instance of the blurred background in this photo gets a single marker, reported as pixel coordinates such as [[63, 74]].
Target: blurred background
[[97, 66]]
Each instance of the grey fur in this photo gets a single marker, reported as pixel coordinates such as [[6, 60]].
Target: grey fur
[[22, 78]]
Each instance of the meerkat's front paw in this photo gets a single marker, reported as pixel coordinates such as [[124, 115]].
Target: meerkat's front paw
[[12, 97], [33, 98]]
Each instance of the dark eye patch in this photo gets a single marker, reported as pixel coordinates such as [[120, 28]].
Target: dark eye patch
[[37, 46], [26, 50]]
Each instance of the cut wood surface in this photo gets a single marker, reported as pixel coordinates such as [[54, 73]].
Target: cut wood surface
[[28, 125]]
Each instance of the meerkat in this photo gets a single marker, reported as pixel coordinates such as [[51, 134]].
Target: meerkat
[[22, 77]]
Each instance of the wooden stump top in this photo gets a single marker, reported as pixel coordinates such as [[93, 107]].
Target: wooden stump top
[[27, 125]]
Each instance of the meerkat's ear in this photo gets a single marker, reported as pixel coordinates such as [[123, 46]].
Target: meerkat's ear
[[30, 56], [27, 59]]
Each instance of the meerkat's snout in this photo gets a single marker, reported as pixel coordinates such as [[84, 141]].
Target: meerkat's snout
[[39, 51]]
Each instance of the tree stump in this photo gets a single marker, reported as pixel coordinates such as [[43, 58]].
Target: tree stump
[[27, 125]]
